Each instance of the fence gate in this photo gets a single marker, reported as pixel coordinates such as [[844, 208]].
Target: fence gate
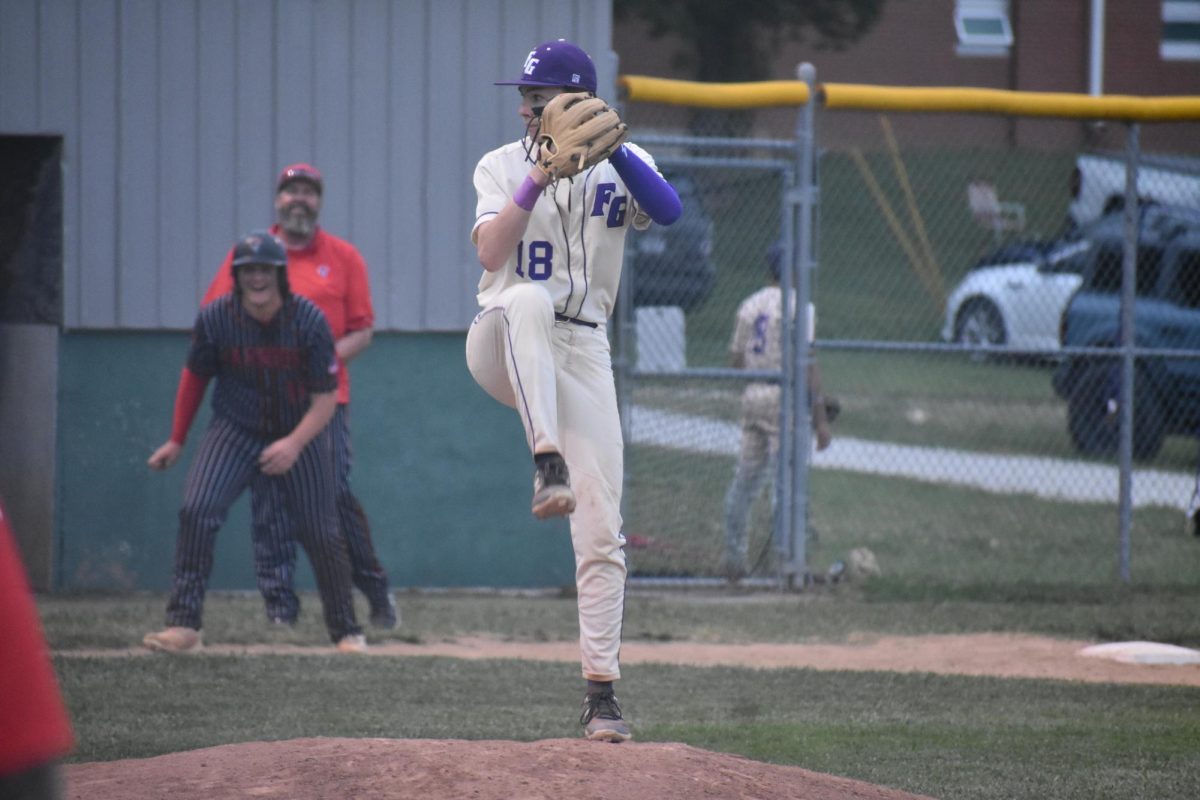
[[680, 398]]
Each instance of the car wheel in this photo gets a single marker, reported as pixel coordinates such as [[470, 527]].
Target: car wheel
[[1092, 426], [1149, 431], [1093, 422], [979, 324]]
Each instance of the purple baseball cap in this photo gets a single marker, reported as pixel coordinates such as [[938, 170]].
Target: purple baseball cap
[[557, 63]]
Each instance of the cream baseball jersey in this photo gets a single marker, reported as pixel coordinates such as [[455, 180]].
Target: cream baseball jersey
[[756, 334], [575, 240]]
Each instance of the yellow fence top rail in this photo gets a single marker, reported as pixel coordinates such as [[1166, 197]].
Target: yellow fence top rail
[[758, 94], [639, 88]]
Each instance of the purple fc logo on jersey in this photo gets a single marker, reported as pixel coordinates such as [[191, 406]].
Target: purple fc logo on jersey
[[323, 270], [607, 200]]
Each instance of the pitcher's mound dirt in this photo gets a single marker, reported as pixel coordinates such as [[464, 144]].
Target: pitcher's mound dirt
[[374, 769]]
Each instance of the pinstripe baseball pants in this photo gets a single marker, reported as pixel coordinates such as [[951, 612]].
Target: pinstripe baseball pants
[[275, 546], [225, 465]]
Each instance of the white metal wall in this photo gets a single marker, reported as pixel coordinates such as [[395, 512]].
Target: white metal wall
[[176, 116]]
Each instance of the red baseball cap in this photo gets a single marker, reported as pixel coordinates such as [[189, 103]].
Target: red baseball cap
[[300, 172]]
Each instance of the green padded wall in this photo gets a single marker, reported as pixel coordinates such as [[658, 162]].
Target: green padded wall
[[441, 469]]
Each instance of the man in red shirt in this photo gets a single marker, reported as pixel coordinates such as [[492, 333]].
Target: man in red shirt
[[331, 273]]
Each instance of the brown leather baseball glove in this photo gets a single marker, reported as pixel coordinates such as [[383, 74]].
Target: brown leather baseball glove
[[577, 131]]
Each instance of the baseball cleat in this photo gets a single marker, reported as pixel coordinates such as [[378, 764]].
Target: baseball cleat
[[354, 643], [602, 720], [385, 614], [173, 640], [552, 495]]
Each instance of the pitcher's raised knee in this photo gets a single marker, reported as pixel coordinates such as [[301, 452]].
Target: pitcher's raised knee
[[528, 299]]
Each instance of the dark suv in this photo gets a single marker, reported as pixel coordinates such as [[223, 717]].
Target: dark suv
[[672, 265], [1166, 316]]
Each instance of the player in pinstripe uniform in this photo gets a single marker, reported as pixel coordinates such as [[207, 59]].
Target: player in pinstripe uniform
[[551, 255], [272, 355], [331, 273]]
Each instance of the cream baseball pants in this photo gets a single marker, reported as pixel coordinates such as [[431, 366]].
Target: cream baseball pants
[[558, 376]]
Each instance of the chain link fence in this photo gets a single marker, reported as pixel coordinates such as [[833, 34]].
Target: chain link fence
[[1004, 419]]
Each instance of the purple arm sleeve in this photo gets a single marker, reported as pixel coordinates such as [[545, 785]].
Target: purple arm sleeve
[[650, 189]]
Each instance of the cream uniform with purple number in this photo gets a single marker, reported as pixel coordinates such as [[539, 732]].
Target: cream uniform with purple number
[[757, 338], [556, 372]]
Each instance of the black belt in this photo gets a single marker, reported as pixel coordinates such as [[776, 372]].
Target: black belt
[[574, 320]]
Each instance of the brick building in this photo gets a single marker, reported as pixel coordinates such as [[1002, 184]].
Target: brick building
[[1150, 47]]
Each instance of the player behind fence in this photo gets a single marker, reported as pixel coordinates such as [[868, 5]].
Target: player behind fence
[[551, 216], [272, 355], [756, 344]]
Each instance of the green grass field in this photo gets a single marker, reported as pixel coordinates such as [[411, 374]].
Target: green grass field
[[946, 736]]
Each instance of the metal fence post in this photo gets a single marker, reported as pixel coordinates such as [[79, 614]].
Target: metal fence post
[[804, 213], [1128, 296], [784, 466]]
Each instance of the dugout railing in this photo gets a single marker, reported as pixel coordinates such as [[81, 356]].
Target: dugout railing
[[908, 216]]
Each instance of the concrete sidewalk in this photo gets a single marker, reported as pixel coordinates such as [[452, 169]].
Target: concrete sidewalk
[[1050, 478]]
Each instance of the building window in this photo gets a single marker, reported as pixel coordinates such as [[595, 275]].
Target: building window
[[983, 27], [1181, 30]]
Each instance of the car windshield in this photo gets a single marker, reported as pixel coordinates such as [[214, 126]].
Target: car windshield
[[1107, 270], [1185, 285]]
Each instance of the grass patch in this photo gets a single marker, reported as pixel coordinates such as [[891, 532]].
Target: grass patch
[[942, 736], [948, 400], [882, 607], [930, 539], [927, 399], [949, 736]]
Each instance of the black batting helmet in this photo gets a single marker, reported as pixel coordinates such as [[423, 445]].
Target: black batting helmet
[[261, 247]]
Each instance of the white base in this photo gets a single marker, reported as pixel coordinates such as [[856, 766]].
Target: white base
[[1143, 653]]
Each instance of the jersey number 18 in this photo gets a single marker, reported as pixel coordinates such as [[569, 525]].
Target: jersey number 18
[[541, 260]]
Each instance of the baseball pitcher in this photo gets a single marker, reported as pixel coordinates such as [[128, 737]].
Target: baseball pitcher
[[552, 213]]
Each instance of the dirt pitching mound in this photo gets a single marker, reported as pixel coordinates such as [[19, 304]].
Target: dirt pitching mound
[[367, 769]]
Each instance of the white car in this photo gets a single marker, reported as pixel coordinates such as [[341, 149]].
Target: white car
[[1098, 183], [1016, 304]]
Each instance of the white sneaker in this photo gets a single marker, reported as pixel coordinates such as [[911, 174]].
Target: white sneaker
[[173, 640], [354, 643]]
